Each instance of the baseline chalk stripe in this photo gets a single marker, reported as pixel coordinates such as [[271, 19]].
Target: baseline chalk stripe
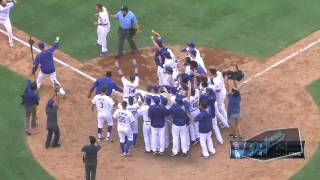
[[281, 61], [56, 59]]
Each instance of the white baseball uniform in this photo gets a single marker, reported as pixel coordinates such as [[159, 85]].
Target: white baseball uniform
[[129, 88], [104, 106], [5, 20], [134, 110], [220, 91], [103, 29], [124, 119], [146, 128], [194, 111], [217, 130], [198, 58]]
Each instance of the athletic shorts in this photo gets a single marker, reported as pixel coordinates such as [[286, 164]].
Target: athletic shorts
[[234, 118]]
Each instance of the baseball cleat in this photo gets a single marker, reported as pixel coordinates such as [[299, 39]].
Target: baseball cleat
[[98, 45], [56, 145], [204, 157], [212, 153], [194, 142], [184, 154], [103, 53], [161, 153], [100, 139], [155, 153], [174, 154], [28, 133], [11, 44]]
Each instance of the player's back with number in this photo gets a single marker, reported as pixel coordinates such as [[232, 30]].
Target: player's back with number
[[124, 117], [103, 103]]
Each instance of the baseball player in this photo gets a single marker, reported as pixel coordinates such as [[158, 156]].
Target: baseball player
[[5, 7], [194, 54], [103, 28], [104, 106], [205, 128], [193, 99], [125, 120], [47, 67], [217, 84], [157, 114], [129, 86], [178, 111], [133, 108], [209, 98], [146, 128], [105, 81]]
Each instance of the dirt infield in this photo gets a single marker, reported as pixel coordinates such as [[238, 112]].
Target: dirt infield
[[275, 100]]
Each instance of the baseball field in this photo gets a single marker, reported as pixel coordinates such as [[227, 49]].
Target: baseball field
[[276, 43]]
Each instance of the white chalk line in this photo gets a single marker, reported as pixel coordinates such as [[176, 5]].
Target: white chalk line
[[281, 61]]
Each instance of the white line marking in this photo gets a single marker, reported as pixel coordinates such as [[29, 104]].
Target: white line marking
[[281, 61]]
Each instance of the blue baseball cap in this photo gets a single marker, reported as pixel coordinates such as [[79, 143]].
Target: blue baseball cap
[[148, 100], [41, 45], [160, 43], [191, 44], [164, 101], [156, 100], [193, 52], [50, 103]]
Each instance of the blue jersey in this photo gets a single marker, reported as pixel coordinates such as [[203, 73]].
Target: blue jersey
[[157, 114], [30, 97], [105, 81], [205, 121], [210, 101], [179, 115], [45, 59]]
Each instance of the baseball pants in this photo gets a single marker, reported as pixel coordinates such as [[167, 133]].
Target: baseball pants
[[125, 34], [158, 135], [222, 119], [53, 78], [102, 118], [167, 134], [194, 126], [179, 132], [217, 130], [7, 24], [146, 128], [220, 97], [206, 144], [102, 31], [30, 111], [125, 132], [188, 137]]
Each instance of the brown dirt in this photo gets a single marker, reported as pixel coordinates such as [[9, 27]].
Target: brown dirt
[[275, 100]]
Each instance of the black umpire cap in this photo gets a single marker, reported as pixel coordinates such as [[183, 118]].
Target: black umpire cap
[[124, 8]]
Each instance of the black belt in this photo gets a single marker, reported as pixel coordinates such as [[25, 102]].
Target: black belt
[[102, 24], [125, 29]]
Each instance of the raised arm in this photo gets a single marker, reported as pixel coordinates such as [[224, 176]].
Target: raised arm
[[118, 69], [135, 65]]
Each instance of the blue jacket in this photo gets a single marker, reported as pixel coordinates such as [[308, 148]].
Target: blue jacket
[[233, 104], [205, 121], [157, 114], [45, 59], [30, 97], [179, 115], [105, 81]]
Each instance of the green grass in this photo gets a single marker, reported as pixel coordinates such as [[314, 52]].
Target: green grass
[[311, 170], [16, 160], [251, 27]]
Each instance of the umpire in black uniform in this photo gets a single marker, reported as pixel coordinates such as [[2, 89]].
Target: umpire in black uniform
[[90, 153]]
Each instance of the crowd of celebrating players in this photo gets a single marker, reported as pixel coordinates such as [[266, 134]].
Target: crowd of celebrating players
[[183, 108]]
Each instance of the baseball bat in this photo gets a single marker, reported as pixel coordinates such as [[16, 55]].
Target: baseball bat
[[31, 42]]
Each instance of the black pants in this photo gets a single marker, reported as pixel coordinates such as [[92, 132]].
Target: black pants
[[91, 171], [56, 138], [125, 34]]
